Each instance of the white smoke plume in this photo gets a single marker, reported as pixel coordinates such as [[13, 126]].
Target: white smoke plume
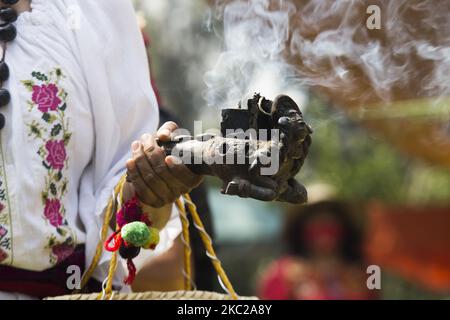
[[270, 46], [255, 39]]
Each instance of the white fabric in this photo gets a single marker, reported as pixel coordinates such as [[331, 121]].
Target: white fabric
[[98, 48]]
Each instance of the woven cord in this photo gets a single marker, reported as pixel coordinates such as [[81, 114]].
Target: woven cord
[[107, 291], [185, 238], [109, 212], [207, 242], [113, 264]]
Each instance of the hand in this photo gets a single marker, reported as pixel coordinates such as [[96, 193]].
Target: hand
[[157, 179]]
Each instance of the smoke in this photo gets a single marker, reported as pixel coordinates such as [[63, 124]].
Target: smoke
[[275, 46], [255, 39]]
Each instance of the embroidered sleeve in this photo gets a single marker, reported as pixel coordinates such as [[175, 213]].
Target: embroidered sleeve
[[52, 131]]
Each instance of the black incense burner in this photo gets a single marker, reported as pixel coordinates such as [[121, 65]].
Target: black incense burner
[[260, 151]]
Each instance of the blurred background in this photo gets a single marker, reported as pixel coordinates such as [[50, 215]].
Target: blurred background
[[393, 190]]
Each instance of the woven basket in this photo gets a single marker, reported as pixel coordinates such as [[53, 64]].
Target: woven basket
[[155, 295]]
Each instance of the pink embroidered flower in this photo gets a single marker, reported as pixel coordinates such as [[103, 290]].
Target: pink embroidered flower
[[62, 251], [3, 232], [46, 97], [2, 206], [52, 212], [56, 154]]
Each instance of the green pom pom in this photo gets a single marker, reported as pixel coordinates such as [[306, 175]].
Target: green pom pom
[[136, 233]]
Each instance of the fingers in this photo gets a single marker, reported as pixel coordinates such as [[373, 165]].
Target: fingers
[[164, 133], [178, 169], [156, 160], [148, 173], [159, 179], [142, 190]]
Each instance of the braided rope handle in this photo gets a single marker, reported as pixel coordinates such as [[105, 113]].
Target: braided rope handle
[[109, 212], [187, 272], [210, 252], [185, 238]]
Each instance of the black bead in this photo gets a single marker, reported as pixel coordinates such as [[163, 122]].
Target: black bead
[[5, 97], [9, 2], [2, 121], [130, 252], [4, 71], [8, 32], [8, 15]]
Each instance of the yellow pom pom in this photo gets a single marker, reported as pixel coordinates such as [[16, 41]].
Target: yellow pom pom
[[153, 239]]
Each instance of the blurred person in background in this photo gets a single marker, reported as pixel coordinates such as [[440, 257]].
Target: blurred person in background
[[323, 260]]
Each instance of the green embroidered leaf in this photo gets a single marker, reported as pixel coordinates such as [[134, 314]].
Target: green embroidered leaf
[[64, 187], [58, 176], [48, 167], [39, 76], [44, 196], [66, 138], [30, 105], [4, 219], [46, 117], [61, 231], [53, 189], [28, 84], [53, 118], [56, 130], [51, 241], [34, 130], [41, 152], [63, 107]]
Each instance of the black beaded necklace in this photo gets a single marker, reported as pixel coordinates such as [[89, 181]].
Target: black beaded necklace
[[8, 33]]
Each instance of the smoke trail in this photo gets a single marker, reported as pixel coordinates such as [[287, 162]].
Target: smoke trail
[[255, 39], [271, 45]]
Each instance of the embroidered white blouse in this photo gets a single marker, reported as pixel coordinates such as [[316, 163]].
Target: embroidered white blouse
[[80, 95]]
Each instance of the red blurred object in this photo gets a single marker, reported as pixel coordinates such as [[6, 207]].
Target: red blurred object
[[323, 230], [411, 242], [294, 278]]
